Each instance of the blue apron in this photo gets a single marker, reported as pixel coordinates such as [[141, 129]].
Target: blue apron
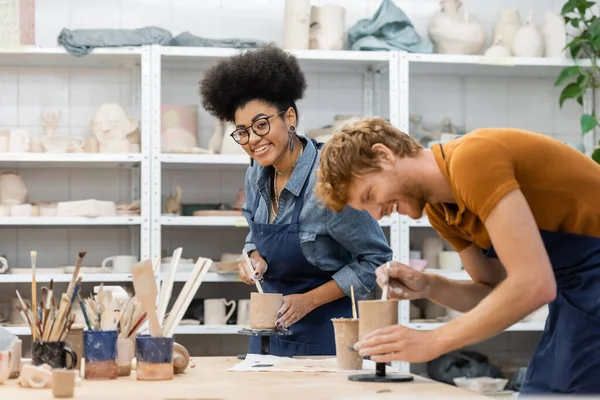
[[289, 272], [567, 357]]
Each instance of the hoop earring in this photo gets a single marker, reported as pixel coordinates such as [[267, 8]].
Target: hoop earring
[[292, 131]]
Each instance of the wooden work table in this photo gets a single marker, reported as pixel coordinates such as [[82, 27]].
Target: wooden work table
[[211, 380]]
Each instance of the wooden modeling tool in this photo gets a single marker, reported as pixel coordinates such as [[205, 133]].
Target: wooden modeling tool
[[186, 295], [251, 270], [34, 332], [167, 285], [144, 284], [354, 316]]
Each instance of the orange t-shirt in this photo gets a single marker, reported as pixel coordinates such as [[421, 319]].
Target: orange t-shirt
[[561, 185]]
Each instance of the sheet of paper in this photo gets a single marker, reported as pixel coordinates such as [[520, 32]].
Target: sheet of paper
[[266, 363]]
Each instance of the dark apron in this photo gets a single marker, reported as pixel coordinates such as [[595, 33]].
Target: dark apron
[[289, 272], [567, 356]]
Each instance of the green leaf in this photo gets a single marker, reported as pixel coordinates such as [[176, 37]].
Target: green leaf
[[596, 156], [588, 122], [567, 73], [594, 29], [568, 7], [575, 48], [582, 82], [571, 91], [575, 22], [596, 42]]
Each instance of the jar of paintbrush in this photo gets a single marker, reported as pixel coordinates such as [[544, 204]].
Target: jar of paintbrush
[[100, 339]]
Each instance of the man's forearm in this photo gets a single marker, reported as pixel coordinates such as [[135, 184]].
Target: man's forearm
[[324, 294], [461, 296]]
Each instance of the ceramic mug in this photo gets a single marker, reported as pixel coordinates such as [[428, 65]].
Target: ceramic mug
[[215, 311], [52, 353], [243, 314], [5, 365], [119, 264]]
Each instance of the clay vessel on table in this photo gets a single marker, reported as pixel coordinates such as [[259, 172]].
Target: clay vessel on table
[[346, 335], [63, 383], [263, 309], [376, 314]]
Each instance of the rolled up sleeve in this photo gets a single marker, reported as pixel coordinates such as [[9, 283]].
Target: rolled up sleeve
[[362, 236], [247, 213]]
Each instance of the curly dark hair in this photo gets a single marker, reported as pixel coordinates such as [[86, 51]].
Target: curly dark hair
[[267, 73]]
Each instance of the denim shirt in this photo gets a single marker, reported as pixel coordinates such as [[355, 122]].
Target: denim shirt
[[349, 244]]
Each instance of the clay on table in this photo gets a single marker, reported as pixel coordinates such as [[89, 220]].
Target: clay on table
[[346, 335], [263, 309], [63, 383]]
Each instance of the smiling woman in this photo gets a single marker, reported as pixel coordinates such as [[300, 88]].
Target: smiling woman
[[308, 253]]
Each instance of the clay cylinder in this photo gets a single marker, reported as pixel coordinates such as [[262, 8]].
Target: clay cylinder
[[376, 314], [125, 348], [100, 352], [263, 309], [346, 335], [154, 358], [63, 383]]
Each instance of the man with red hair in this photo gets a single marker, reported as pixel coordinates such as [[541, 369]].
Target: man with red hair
[[523, 212]]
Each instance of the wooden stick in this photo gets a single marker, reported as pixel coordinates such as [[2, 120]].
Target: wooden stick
[[167, 286], [353, 303], [60, 318], [386, 287], [249, 265], [33, 255]]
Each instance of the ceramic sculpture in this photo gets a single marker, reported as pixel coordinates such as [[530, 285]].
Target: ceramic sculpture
[[528, 41], [12, 189], [111, 126], [296, 25], [497, 49], [505, 29], [455, 31], [553, 31], [327, 27], [179, 128]]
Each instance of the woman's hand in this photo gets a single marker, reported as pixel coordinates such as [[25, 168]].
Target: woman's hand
[[405, 283], [258, 264], [293, 309]]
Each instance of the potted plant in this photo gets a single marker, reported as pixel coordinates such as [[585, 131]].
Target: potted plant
[[585, 44]]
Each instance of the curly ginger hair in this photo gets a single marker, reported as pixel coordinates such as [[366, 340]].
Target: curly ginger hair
[[349, 154]]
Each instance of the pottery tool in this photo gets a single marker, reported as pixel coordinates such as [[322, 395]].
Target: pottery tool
[[386, 286], [186, 295], [167, 285], [144, 284], [354, 316], [34, 294], [251, 270], [71, 286]]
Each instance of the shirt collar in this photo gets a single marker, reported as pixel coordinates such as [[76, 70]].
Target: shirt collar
[[300, 174]]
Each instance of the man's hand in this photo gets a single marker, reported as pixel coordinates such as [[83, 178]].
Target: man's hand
[[293, 309], [405, 283], [399, 343], [258, 264]]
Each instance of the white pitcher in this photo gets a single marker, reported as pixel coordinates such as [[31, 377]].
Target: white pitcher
[[215, 311]]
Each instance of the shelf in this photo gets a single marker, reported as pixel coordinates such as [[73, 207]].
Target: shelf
[[467, 65], [422, 222], [33, 56], [41, 277], [309, 60], [18, 330], [70, 221], [239, 222], [68, 160], [518, 327], [207, 329], [210, 276], [193, 161]]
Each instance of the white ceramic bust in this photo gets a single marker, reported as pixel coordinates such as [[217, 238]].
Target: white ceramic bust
[[110, 126], [12, 189]]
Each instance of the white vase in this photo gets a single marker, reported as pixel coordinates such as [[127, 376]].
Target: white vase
[[507, 26], [552, 28], [528, 41], [455, 31], [296, 25], [12, 189], [327, 27], [497, 49]]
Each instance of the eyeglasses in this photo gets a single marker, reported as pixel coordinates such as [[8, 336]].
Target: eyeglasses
[[260, 127]]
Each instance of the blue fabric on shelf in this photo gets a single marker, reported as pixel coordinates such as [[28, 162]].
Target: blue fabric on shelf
[[389, 29], [187, 39], [81, 42]]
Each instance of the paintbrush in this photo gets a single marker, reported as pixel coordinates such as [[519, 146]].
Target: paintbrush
[[33, 255], [71, 286], [354, 315], [251, 270]]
